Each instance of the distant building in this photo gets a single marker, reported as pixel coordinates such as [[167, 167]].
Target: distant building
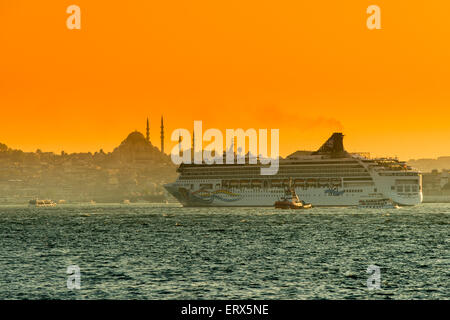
[[436, 182], [427, 165]]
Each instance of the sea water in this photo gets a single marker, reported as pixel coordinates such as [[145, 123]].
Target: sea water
[[150, 251]]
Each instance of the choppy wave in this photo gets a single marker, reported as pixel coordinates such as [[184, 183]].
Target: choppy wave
[[168, 252]]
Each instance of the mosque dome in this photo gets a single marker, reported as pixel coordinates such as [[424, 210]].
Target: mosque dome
[[135, 137], [135, 141], [136, 147]]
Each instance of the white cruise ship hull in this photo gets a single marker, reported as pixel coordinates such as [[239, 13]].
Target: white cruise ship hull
[[247, 197]]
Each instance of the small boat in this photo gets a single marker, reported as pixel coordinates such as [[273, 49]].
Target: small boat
[[42, 203], [291, 200], [377, 203]]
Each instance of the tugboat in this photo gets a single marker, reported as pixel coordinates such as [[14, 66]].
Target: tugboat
[[291, 200]]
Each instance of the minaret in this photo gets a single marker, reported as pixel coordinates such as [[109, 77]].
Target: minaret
[[162, 134], [193, 144], [179, 144], [148, 131]]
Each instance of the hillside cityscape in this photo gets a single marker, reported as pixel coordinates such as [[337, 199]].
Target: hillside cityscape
[[135, 171]]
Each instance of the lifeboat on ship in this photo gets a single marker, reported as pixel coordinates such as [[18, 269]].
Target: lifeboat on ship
[[245, 183], [234, 183], [311, 182], [256, 183], [323, 182], [276, 183], [335, 182]]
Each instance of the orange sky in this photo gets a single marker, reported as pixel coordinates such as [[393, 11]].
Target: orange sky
[[306, 67]]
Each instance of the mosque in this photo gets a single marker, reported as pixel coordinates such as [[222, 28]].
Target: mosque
[[138, 148]]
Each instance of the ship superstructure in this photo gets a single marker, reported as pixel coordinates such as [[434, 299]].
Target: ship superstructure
[[327, 177]]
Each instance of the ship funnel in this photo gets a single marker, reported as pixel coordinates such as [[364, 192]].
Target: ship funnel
[[334, 146]]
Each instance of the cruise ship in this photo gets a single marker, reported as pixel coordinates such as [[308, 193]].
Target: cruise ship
[[329, 176]]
